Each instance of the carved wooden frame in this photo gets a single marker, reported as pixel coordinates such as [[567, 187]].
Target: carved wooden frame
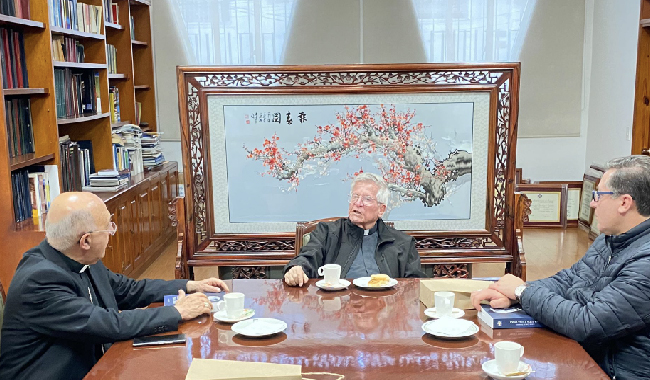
[[496, 243]]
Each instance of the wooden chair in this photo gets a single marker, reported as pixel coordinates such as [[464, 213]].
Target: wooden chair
[[303, 229]]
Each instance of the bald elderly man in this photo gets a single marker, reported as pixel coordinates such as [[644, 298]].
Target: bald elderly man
[[64, 307]]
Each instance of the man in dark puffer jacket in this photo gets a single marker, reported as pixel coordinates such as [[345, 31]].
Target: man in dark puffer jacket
[[602, 301]]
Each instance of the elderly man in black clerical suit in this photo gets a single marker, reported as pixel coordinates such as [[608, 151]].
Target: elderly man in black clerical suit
[[64, 307], [361, 243]]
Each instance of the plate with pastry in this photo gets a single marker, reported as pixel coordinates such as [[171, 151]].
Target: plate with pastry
[[375, 282]]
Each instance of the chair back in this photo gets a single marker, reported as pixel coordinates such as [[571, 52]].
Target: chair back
[[303, 230]]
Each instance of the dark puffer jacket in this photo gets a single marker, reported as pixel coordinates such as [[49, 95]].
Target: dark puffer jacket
[[338, 242], [603, 302]]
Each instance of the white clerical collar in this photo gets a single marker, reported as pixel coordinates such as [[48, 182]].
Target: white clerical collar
[[366, 232], [83, 269]]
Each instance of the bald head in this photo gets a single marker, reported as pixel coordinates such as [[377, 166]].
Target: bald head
[[71, 215]]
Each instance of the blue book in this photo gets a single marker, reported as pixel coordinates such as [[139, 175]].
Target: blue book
[[171, 299], [510, 318]]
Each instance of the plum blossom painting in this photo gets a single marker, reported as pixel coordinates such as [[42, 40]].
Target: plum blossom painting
[[289, 160]]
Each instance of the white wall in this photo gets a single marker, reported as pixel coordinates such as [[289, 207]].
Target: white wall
[[607, 57], [611, 100], [611, 33]]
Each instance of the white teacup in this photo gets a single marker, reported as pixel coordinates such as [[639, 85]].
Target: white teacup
[[508, 354], [331, 272], [233, 303], [444, 303]]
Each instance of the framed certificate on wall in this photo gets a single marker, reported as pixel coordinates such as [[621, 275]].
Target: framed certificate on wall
[[548, 204], [589, 183], [574, 197]]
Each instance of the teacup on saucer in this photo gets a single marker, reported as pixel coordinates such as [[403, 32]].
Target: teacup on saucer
[[222, 316], [490, 367], [455, 313]]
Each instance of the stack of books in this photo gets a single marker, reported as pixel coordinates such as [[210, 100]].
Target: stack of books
[[510, 318], [12, 57], [111, 12], [105, 181], [151, 152], [129, 137]]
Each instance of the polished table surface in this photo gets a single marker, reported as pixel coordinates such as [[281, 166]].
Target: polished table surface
[[356, 333]]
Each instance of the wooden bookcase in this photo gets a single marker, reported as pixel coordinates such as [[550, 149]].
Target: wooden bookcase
[[135, 81], [641, 120]]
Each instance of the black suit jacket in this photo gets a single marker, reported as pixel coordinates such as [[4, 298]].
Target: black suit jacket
[[51, 328]]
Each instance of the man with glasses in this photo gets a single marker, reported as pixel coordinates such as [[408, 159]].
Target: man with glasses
[[64, 307], [602, 301], [361, 243]]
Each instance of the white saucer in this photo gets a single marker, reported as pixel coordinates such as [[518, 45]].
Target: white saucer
[[258, 327], [455, 313], [362, 282], [449, 328], [221, 316], [490, 367], [343, 284]]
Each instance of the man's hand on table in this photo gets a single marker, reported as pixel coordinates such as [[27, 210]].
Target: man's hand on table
[[496, 299], [192, 305], [296, 276], [507, 285], [212, 285]]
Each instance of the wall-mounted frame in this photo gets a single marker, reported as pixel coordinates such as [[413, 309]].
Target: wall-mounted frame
[[548, 206], [213, 98], [574, 194]]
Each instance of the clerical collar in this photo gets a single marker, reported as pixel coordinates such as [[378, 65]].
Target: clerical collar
[[370, 231], [74, 266]]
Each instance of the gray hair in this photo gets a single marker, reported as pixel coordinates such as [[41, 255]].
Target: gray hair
[[632, 176], [66, 232], [382, 193]]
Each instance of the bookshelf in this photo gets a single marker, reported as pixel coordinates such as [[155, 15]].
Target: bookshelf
[[134, 81]]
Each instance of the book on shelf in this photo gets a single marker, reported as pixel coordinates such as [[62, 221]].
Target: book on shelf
[[115, 13], [512, 317], [129, 136], [76, 92], [15, 8], [20, 195], [20, 131], [132, 25], [108, 180], [70, 157], [114, 104], [12, 55], [33, 188], [111, 57], [67, 49], [138, 113], [73, 15]]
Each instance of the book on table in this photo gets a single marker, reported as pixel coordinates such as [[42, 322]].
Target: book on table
[[512, 317]]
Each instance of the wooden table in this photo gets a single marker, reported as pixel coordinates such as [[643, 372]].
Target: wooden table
[[359, 334]]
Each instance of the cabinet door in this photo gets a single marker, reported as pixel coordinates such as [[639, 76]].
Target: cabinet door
[[124, 235], [133, 220], [111, 255], [164, 204], [156, 211], [144, 217]]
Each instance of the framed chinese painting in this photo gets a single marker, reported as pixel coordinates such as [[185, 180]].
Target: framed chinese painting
[[267, 147]]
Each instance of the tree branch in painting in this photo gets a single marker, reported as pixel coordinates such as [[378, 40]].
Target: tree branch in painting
[[402, 152]]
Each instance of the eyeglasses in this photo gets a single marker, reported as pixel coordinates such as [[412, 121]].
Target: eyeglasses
[[595, 195], [112, 229], [367, 200]]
